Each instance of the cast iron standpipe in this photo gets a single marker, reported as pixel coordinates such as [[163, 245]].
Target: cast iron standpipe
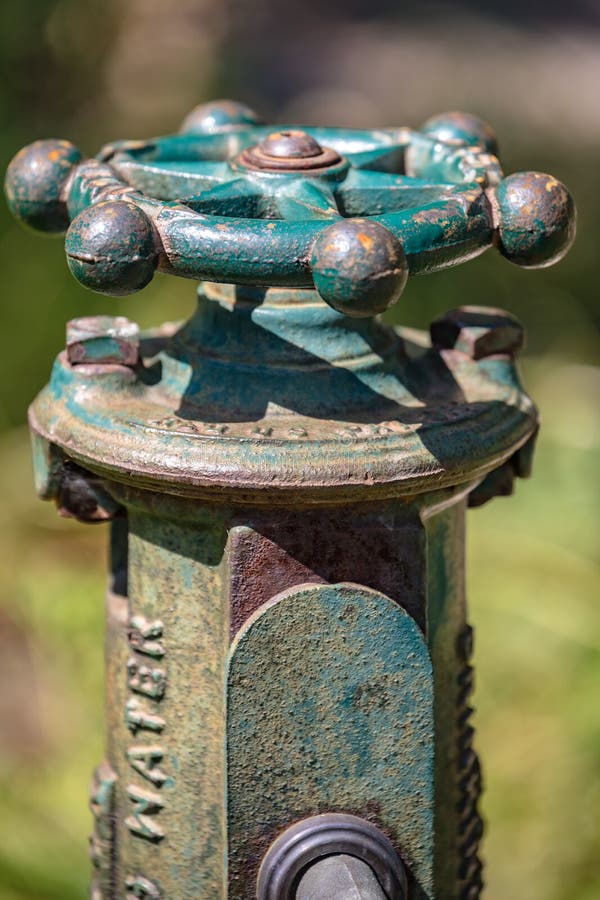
[[287, 653]]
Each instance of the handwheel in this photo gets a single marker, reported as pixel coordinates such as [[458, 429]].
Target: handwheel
[[351, 213]]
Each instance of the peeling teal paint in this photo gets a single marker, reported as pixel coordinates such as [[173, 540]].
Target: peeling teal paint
[[285, 440]]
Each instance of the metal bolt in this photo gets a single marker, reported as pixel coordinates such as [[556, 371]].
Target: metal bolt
[[478, 331], [329, 835], [464, 643], [338, 877], [289, 151], [82, 496], [290, 145], [103, 340], [498, 483]]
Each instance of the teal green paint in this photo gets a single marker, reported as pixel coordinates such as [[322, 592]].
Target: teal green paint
[[441, 162], [461, 128], [176, 577], [195, 205], [291, 395], [537, 219], [35, 181], [271, 403], [330, 709]]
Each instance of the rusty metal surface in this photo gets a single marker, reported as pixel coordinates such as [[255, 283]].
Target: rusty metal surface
[[331, 689], [205, 203], [446, 615], [380, 546], [470, 829], [166, 648], [186, 573], [288, 151], [286, 479], [278, 398]]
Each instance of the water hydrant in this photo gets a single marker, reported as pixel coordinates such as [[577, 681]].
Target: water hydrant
[[286, 477]]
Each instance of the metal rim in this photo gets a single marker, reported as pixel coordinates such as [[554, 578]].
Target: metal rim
[[325, 835]]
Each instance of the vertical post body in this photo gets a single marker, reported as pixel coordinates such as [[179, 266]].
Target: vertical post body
[[196, 577], [166, 650], [226, 613], [290, 639]]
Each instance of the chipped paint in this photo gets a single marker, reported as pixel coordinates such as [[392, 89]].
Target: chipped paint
[[284, 439]]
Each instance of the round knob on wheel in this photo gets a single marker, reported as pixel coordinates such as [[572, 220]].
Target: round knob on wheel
[[112, 248], [359, 267], [35, 181], [220, 115], [536, 219], [229, 201], [462, 127]]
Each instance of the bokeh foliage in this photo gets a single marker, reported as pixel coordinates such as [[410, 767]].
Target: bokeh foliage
[[92, 71]]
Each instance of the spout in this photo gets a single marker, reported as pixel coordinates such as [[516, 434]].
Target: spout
[[340, 877]]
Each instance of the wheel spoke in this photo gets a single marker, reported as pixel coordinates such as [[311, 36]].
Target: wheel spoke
[[237, 197], [305, 199], [171, 179], [386, 157], [367, 193]]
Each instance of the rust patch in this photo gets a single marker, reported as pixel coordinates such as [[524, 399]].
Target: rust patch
[[377, 549], [365, 239]]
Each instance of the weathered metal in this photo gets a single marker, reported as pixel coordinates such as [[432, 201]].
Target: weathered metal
[[286, 478], [338, 878], [328, 838], [102, 340], [289, 151]]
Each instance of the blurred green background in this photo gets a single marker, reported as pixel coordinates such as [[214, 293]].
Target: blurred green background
[[91, 71]]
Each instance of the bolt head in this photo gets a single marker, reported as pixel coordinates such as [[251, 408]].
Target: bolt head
[[220, 115], [536, 219], [478, 331], [290, 145], [498, 483], [82, 496], [103, 340], [34, 183], [359, 267]]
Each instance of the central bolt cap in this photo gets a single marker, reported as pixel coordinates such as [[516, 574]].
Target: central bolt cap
[[289, 151], [290, 145]]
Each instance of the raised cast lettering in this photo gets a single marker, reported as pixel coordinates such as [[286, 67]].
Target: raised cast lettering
[[140, 888], [143, 636], [137, 718], [144, 680], [146, 805], [145, 761], [102, 796]]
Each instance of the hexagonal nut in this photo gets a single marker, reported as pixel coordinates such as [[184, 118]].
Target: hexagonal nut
[[82, 496], [478, 331], [498, 483], [103, 340]]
